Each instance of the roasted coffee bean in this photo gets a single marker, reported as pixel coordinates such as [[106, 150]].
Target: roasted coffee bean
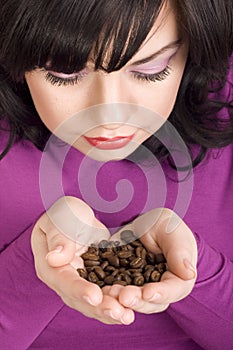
[[124, 255], [147, 273], [138, 280], [90, 263], [124, 262], [127, 278], [103, 244], [155, 276], [160, 258], [122, 283], [150, 258], [106, 254], [110, 263], [114, 260], [136, 274], [141, 252], [90, 256], [127, 236], [135, 270], [104, 264], [161, 267], [101, 284], [136, 243], [82, 273], [92, 277], [115, 273], [110, 269], [99, 272], [109, 280], [136, 262]]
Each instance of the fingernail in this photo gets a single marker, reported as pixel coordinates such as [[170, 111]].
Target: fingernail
[[88, 300], [190, 267], [58, 249]]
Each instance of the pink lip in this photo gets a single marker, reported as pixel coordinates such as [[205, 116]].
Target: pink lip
[[109, 143]]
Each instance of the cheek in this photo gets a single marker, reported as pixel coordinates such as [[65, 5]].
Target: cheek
[[163, 98], [49, 104]]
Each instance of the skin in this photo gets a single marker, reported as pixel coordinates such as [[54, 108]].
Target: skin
[[56, 257], [57, 105]]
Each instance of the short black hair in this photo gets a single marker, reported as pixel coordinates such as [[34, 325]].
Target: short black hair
[[65, 33]]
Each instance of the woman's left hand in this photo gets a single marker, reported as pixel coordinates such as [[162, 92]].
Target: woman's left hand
[[171, 236]]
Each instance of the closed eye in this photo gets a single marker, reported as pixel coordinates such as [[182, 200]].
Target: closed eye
[[152, 77], [61, 79]]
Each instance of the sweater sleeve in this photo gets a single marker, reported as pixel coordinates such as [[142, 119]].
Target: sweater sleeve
[[206, 315], [27, 305]]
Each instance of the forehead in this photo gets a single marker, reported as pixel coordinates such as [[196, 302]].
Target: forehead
[[164, 31]]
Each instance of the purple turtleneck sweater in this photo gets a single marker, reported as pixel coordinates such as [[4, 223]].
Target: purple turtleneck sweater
[[32, 316]]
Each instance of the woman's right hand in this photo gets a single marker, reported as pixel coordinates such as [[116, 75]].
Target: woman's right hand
[[57, 258]]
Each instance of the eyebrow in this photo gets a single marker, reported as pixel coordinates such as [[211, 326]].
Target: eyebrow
[[174, 44]]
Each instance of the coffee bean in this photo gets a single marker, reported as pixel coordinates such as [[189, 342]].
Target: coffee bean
[[150, 258], [106, 254], [109, 280], [127, 236], [155, 276], [114, 260], [160, 258], [101, 284], [99, 272], [161, 267], [103, 244], [104, 264], [90, 263], [124, 262], [115, 273], [124, 255], [138, 280], [92, 277], [148, 272], [122, 283], [111, 263], [82, 273], [90, 256], [136, 262]]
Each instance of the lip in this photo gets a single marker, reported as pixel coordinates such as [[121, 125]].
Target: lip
[[109, 143]]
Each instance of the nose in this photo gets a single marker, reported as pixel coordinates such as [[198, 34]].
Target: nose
[[113, 97], [111, 88]]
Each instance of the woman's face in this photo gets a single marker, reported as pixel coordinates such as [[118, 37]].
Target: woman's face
[[150, 80]]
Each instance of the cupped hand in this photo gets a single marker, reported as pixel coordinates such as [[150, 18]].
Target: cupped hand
[[166, 233], [57, 258]]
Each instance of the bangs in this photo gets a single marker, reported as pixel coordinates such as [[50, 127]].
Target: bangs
[[64, 35]]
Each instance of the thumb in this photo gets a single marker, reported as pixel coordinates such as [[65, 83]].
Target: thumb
[[181, 265], [61, 249]]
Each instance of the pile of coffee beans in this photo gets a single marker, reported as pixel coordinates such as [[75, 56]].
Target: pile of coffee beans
[[111, 262]]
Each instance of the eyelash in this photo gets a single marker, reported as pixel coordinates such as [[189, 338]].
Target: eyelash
[[54, 80], [152, 77]]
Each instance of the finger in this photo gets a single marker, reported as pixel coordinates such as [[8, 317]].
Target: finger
[[52, 246], [131, 297], [69, 284], [75, 219], [128, 296], [65, 279], [171, 289], [61, 249], [113, 310], [178, 244]]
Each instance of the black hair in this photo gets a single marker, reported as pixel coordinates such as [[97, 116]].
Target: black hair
[[66, 33]]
